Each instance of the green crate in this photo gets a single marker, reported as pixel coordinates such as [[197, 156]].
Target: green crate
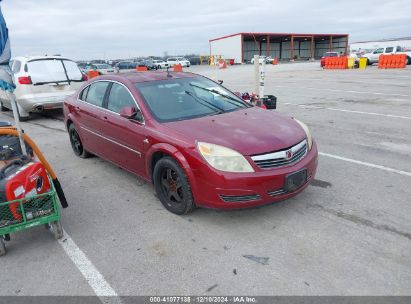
[[33, 211]]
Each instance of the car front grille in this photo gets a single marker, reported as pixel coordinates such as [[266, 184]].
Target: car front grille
[[281, 158], [240, 198]]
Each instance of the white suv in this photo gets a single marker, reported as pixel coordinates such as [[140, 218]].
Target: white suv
[[42, 83], [178, 60]]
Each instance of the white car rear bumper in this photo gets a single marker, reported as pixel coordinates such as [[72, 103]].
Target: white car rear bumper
[[46, 101]]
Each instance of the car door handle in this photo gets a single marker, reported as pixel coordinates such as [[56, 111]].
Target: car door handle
[[105, 117]]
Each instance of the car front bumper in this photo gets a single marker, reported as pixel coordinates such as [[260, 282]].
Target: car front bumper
[[221, 190]]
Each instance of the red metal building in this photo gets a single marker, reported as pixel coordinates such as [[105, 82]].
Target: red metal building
[[284, 46]]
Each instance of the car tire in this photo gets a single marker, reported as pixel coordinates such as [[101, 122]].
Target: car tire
[[24, 118], [56, 229], [76, 143], [172, 186], [3, 249], [408, 60], [368, 62], [23, 115], [3, 108]]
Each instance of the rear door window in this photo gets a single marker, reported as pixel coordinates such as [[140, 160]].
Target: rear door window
[[389, 49], [96, 93], [119, 98], [83, 94], [53, 71]]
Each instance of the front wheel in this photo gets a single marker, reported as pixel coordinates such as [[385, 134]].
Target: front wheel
[[408, 60], [172, 186], [76, 143]]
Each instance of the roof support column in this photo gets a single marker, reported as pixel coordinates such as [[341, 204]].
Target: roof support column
[[312, 47], [268, 45], [242, 48], [292, 48], [330, 45], [346, 46]]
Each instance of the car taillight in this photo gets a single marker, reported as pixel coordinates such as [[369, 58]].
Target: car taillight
[[25, 80], [84, 78]]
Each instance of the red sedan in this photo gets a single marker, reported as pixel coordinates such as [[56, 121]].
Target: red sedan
[[328, 54], [197, 142]]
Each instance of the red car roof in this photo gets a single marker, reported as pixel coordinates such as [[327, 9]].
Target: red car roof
[[149, 76]]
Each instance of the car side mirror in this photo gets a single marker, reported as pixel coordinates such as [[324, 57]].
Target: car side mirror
[[128, 112], [131, 113]]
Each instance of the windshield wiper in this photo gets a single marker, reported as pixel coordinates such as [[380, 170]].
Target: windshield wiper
[[221, 94], [205, 103]]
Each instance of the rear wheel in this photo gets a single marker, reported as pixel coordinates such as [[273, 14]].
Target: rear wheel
[[76, 143], [408, 60], [23, 115], [172, 186], [3, 250], [56, 229], [3, 108]]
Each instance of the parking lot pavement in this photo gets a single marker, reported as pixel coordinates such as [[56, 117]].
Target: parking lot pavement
[[347, 234]]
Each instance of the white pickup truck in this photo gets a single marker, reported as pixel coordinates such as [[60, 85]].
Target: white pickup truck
[[375, 55]]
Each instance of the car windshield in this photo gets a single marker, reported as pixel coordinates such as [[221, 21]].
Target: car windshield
[[53, 70], [187, 98]]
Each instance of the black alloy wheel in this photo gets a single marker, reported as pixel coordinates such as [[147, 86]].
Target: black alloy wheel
[[172, 186], [76, 143]]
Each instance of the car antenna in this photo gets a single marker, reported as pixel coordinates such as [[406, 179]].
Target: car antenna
[[168, 72]]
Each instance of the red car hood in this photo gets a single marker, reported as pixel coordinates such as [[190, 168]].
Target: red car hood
[[249, 131]]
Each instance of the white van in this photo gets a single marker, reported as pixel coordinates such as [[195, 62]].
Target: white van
[[42, 83]]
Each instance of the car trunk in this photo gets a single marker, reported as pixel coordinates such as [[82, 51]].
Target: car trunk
[[52, 79]]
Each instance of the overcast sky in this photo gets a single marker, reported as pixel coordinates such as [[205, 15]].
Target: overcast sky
[[108, 29]]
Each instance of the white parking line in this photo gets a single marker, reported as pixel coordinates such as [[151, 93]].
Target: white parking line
[[336, 80], [344, 91], [366, 164], [349, 111], [93, 277]]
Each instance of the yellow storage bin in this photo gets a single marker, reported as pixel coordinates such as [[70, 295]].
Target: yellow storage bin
[[350, 63], [363, 63]]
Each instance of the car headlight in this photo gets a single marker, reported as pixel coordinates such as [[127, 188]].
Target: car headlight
[[307, 133], [223, 159]]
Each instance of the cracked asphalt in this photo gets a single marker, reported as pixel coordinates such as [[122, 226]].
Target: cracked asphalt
[[349, 233]]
